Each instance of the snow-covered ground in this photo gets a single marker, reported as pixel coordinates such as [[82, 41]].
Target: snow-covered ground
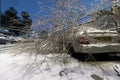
[[20, 65]]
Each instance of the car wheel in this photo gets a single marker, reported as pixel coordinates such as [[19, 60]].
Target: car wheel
[[8, 42], [70, 49], [89, 57]]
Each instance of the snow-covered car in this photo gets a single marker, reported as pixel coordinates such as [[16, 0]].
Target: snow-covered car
[[3, 39], [7, 39], [92, 40]]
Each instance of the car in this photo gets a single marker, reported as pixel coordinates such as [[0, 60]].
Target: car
[[94, 40], [3, 39], [6, 38]]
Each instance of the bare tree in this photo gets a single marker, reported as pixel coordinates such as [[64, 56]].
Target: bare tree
[[63, 17]]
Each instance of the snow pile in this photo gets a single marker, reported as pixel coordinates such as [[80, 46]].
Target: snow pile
[[27, 66], [117, 69]]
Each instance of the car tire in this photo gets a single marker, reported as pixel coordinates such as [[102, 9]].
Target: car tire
[[70, 49], [8, 42]]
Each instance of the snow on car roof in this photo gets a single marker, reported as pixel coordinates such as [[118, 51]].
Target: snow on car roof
[[94, 29], [101, 31]]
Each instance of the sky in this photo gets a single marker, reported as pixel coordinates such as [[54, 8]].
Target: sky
[[30, 6], [33, 6]]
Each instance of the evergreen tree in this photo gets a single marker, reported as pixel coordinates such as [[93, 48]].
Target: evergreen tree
[[11, 16], [27, 22], [14, 24]]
